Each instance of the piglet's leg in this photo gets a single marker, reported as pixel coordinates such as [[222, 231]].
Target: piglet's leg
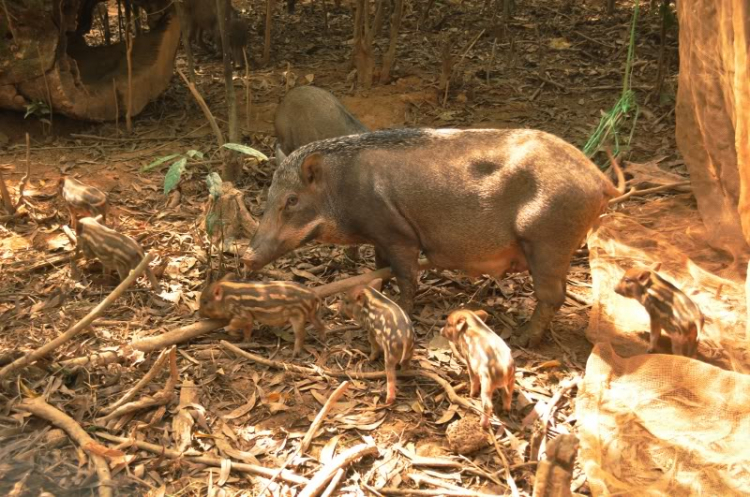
[[508, 394], [655, 334], [487, 389], [318, 324], [475, 383], [375, 349], [298, 324], [390, 374], [241, 324]]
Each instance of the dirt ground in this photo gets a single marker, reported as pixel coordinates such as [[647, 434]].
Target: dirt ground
[[556, 66]]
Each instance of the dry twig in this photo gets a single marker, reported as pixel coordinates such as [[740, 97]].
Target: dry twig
[[565, 387], [305, 443], [287, 476], [356, 375], [320, 480], [38, 407], [155, 369], [81, 325], [641, 193], [161, 398]]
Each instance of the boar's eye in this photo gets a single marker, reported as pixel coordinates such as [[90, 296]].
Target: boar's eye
[[291, 200]]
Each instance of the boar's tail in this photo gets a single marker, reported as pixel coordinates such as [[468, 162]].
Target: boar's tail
[[618, 190]]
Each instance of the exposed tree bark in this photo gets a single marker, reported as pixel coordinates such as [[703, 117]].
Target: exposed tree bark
[[267, 38], [390, 56]]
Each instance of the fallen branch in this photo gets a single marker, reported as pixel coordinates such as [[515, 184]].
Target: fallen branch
[[504, 460], [640, 193], [98, 359], [216, 462], [38, 407], [81, 325], [320, 480], [436, 482], [362, 279], [428, 493], [337, 477], [182, 334], [155, 369], [305, 443], [355, 375], [161, 398], [441, 462], [452, 395]]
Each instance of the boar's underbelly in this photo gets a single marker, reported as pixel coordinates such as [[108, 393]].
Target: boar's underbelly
[[498, 262]]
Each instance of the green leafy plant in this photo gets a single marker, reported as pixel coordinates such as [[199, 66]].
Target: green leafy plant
[[38, 108], [612, 120], [213, 180], [176, 169], [180, 164], [246, 150]]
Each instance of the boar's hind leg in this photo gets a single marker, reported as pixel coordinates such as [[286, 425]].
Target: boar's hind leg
[[548, 266]]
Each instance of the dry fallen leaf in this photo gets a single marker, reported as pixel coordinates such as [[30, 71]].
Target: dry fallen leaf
[[243, 409]]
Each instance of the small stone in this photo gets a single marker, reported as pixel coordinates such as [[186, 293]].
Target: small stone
[[466, 436]]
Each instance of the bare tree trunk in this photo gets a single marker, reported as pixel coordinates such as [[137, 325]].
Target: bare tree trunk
[[662, 48], [185, 30], [610, 7], [377, 23], [390, 56], [364, 59], [232, 165], [267, 41], [129, 55]]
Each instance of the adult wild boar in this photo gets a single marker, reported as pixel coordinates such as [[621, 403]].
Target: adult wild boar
[[307, 114], [486, 201]]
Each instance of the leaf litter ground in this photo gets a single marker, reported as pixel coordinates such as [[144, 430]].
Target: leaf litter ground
[[231, 408]]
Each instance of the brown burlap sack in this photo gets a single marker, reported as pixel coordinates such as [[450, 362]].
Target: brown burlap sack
[[668, 231], [663, 425], [660, 424]]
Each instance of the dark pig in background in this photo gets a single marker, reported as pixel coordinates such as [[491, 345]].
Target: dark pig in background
[[307, 114], [485, 201], [202, 17]]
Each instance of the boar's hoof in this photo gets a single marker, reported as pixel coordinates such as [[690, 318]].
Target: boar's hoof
[[530, 336], [352, 253]]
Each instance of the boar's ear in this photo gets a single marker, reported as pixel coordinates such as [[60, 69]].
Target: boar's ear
[[310, 168], [280, 155], [482, 314], [377, 284]]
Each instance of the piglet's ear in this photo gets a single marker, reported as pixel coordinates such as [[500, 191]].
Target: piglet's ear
[[482, 314], [218, 292], [462, 325], [311, 168], [656, 266], [377, 284], [643, 277]]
